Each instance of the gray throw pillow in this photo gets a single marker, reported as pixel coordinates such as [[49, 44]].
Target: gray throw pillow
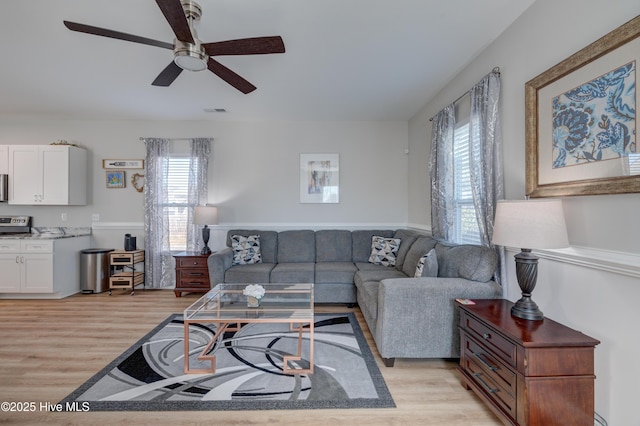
[[427, 265]]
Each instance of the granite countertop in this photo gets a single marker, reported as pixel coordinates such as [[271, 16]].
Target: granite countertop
[[49, 233]]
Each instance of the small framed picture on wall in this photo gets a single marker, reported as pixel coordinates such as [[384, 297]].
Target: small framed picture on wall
[[319, 178], [115, 179]]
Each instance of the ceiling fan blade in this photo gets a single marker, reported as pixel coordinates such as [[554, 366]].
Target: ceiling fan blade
[[88, 29], [174, 13], [245, 46], [168, 75], [230, 77]]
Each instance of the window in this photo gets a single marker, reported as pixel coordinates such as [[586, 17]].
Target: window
[[177, 209], [466, 230]]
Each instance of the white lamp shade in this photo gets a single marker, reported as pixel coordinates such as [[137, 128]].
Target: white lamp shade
[[531, 224], [205, 215]]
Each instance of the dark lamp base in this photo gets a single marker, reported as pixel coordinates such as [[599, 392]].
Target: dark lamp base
[[205, 239], [526, 308], [527, 274]]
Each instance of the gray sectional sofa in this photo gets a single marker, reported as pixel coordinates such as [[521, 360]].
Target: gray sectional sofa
[[408, 317]]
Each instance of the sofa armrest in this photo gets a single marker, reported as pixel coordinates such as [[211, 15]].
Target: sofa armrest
[[417, 316], [218, 263]]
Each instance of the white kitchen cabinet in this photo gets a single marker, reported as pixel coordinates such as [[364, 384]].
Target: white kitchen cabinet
[[4, 159], [40, 268], [47, 175]]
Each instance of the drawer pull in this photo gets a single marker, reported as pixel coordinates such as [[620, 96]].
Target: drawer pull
[[485, 363], [486, 336], [489, 388], [195, 274]]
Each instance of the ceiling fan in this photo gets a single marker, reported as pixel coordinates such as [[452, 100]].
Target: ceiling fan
[[189, 52]]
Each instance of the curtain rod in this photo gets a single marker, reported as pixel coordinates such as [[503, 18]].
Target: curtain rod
[[495, 70], [176, 139]]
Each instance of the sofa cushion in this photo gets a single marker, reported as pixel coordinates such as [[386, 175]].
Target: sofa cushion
[[472, 262], [246, 250], [419, 248], [427, 265], [293, 272], [256, 273], [361, 243], [366, 266], [335, 272], [296, 246], [368, 300], [268, 242], [377, 275], [407, 238], [333, 245], [384, 250]]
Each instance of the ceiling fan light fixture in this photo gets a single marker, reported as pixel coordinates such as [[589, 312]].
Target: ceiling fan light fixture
[[190, 60]]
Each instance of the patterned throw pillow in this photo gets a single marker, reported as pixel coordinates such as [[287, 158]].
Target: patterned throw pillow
[[246, 250], [427, 265], [384, 250]]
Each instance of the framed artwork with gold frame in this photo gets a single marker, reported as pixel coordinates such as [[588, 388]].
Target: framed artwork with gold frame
[[581, 126]]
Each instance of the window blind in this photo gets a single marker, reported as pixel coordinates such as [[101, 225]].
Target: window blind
[[466, 224]]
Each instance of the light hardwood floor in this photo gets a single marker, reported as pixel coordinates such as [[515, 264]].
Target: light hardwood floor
[[50, 347]]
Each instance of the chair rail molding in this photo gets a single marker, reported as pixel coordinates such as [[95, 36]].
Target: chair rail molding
[[116, 225], [604, 260]]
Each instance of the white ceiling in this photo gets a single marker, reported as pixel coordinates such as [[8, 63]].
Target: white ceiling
[[344, 60]]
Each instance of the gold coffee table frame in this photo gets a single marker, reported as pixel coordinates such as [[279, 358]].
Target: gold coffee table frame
[[226, 306]]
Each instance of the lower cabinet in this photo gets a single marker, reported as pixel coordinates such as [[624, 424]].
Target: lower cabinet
[[45, 268]]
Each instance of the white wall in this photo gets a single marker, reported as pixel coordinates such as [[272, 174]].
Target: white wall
[[598, 300], [254, 172]]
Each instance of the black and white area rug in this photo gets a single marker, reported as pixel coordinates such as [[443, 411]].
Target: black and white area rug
[[149, 376]]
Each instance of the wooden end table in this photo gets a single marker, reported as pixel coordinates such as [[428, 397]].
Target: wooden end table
[[192, 273], [527, 372]]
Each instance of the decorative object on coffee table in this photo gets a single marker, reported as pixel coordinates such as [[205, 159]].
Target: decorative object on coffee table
[[536, 224], [254, 293], [205, 215]]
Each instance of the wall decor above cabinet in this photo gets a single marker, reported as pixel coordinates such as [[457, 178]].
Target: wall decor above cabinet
[[123, 164], [47, 175]]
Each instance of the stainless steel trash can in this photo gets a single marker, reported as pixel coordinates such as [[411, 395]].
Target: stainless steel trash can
[[94, 270]]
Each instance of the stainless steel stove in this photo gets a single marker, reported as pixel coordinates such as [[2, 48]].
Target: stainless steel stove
[[15, 225]]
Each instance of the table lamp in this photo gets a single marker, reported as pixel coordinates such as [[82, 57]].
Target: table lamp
[[536, 224], [205, 215]]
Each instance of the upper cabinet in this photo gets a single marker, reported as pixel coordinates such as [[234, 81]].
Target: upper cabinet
[[47, 175], [4, 159]]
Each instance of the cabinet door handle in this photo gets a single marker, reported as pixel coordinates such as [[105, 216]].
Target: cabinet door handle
[[21, 259], [489, 388], [17, 259], [485, 363]]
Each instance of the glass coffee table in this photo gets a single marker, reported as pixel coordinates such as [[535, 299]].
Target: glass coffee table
[[226, 306]]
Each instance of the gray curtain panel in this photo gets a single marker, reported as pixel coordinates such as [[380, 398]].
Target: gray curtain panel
[[156, 223], [441, 169]]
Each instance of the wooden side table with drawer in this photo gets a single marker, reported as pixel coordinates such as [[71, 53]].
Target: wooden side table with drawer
[[192, 273], [527, 372]]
